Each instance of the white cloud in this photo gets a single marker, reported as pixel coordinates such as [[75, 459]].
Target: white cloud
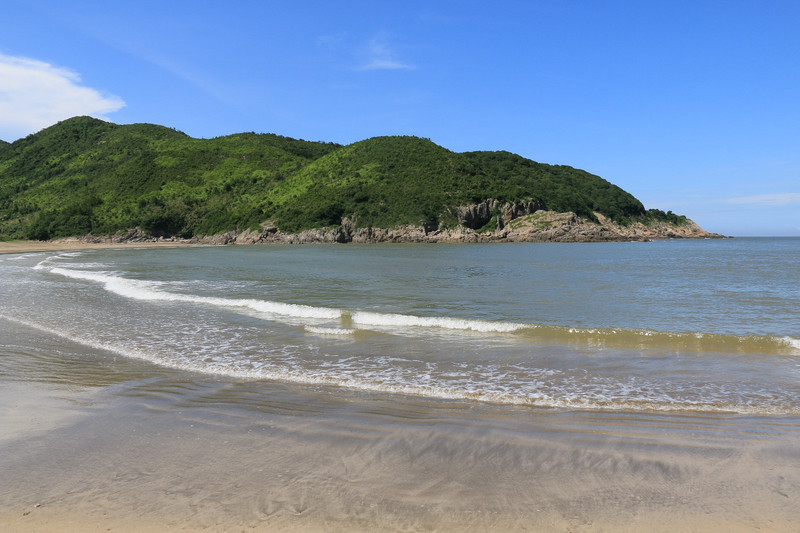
[[35, 95], [384, 64], [768, 200], [379, 56]]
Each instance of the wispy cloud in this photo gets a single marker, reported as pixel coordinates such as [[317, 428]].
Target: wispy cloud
[[378, 54], [353, 53], [767, 200], [35, 94], [332, 41]]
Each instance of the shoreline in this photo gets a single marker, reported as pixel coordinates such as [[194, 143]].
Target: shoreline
[[401, 235], [299, 459], [99, 443], [22, 247], [535, 227], [70, 244]]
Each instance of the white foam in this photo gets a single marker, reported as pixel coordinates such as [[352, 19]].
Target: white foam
[[398, 320], [131, 353], [43, 264], [540, 388], [790, 341], [148, 290], [20, 257], [330, 331]]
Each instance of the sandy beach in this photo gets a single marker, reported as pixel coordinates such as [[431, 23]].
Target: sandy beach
[[20, 247], [96, 443]]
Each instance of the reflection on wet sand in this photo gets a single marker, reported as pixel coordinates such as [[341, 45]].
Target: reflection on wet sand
[[154, 449]]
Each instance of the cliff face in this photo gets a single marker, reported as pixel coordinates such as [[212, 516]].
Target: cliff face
[[476, 216], [488, 221], [540, 226], [519, 222]]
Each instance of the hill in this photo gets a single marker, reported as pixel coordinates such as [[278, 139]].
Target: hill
[[85, 175]]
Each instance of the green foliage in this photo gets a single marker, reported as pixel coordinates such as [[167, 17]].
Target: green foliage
[[657, 215], [84, 175], [140, 175], [386, 181]]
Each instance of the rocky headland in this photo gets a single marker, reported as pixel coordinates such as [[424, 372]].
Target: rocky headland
[[488, 221]]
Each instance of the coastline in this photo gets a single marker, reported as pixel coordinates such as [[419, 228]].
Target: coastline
[[539, 226], [61, 245], [93, 440], [139, 448]]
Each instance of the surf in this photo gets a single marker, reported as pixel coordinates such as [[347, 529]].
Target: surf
[[344, 322], [150, 291]]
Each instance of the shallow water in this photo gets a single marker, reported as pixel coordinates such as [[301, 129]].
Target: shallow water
[[94, 441], [417, 388], [693, 326]]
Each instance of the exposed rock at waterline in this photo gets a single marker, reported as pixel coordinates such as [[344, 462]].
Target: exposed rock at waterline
[[519, 222]]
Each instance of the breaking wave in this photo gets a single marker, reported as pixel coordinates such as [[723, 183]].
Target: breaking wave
[[408, 324], [147, 290], [491, 383]]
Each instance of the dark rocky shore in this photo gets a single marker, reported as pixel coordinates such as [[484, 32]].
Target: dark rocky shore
[[488, 221]]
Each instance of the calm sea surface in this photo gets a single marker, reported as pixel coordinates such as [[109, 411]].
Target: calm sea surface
[[696, 325]]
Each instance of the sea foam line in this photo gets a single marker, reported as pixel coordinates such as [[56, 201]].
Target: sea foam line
[[794, 343], [130, 353], [380, 383], [399, 320], [325, 331], [142, 290]]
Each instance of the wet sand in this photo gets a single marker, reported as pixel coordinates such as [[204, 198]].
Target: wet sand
[[93, 442]]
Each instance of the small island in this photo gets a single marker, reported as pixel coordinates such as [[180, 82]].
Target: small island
[[93, 181]]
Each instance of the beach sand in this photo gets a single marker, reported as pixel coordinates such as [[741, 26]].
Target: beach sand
[[91, 441], [97, 443], [20, 247]]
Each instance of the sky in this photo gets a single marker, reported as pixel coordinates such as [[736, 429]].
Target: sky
[[691, 106]]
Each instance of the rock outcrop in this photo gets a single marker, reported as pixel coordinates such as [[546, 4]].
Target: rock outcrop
[[523, 221], [476, 216]]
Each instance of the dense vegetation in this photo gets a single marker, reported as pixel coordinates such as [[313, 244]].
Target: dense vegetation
[[84, 175]]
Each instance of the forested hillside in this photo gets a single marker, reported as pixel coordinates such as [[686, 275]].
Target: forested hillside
[[85, 175]]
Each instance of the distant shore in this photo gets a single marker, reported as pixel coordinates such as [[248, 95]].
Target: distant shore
[[22, 247], [540, 226]]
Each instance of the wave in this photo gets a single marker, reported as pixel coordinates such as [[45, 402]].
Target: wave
[[789, 341], [148, 290], [118, 349], [690, 342], [542, 388], [404, 321], [686, 342], [408, 324], [20, 257], [337, 332]]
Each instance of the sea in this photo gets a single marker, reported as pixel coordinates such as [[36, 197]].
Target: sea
[[674, 326]]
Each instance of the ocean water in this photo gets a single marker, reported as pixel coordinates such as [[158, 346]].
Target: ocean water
[[670, 326]]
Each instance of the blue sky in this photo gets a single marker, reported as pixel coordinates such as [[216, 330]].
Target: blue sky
[[690, 106]]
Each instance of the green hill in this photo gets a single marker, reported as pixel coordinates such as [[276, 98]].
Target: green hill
[[85, 175]]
